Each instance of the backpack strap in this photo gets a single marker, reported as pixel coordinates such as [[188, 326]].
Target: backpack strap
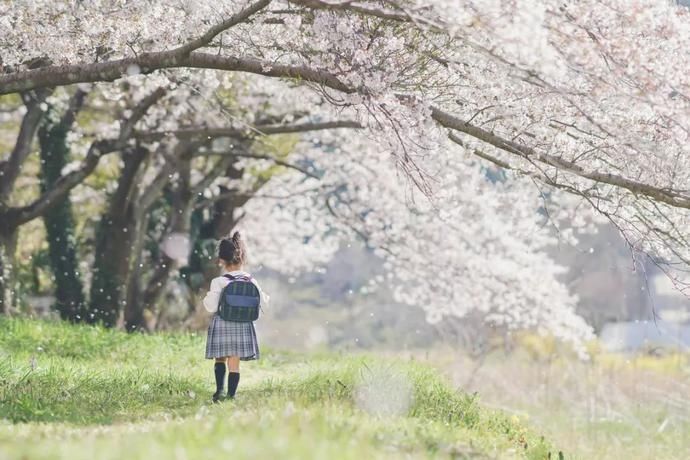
[[237, 277]]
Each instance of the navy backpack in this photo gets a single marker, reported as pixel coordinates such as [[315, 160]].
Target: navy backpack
[[240, 300]]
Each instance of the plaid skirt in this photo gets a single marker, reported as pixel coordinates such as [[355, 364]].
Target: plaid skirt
[[229, 338]]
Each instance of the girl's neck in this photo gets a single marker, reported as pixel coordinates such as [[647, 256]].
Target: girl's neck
[[233, 268]]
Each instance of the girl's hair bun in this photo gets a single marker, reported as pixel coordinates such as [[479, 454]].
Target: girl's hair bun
[[231, 250]]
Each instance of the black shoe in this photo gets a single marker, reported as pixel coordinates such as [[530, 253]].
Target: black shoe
[[217, 396]]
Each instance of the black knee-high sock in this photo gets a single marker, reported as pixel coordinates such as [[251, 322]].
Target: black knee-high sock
[[219, 369], [233, 381]]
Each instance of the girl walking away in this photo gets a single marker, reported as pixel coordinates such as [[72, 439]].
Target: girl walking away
[[235, 299]]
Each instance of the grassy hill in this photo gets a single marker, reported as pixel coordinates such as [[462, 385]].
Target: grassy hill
[[79, 392]]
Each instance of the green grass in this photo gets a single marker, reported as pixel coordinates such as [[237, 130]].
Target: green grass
[[80, 392]]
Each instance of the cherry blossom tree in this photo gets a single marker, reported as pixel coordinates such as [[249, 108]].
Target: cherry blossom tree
[[588, 100], [13, 216], [182, 163], [471, 249]]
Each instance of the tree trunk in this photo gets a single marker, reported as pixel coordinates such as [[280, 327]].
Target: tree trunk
[[179, 223], [8, 288], [59, 224], [134, 314], [205, 255], [115, 238], [10, 170], [111, 269]]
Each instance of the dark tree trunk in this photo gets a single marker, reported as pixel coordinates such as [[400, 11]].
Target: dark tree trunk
[[224, 218], [115, 238], [59, 223], [182, 202], [134, 315], [111, 268]]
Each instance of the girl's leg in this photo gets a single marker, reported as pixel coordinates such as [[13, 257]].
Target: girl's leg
[[219, 370], [233, 375], [233, 363]]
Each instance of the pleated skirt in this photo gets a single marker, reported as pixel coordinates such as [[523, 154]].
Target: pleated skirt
[[229, 338]]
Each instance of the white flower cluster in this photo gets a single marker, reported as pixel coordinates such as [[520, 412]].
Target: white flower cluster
[[478, 245]]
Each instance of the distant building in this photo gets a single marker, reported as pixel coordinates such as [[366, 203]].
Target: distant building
[[667, 300], [671, 308], [628, 336]]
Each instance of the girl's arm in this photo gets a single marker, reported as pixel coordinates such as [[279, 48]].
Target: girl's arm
[[265, 298], [213, 296]]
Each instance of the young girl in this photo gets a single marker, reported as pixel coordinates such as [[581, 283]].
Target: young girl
[[229, 342]]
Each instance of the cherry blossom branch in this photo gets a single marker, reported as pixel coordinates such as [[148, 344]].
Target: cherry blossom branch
[[396, 14], [483, 155], [214, 31], [90, 73], [61, 75], [667, 196], [267, 69], [243, 133], [111, 70], [354, 7], [352, 227], [541, 176]]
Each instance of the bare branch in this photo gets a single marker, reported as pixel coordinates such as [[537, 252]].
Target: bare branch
[[153, 191], [255, 196], [9, 170], [21, 215], [127, 126], [217, 170], [263, 157], [76, 103], [149, 196]]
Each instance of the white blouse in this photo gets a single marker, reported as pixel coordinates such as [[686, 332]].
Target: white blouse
[[212, 297]]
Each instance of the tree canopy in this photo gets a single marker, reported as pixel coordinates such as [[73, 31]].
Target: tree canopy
[[449, 136]]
